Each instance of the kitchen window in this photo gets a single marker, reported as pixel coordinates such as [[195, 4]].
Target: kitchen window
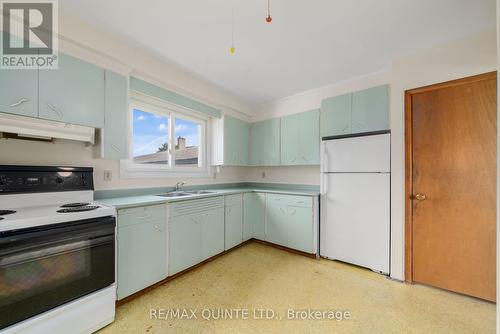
[[166, 140]]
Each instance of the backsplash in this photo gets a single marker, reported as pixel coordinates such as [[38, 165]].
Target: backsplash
[[69, 153]]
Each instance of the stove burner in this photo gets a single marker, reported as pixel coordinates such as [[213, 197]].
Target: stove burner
[[78, 209], [6, 212], [74, 205]]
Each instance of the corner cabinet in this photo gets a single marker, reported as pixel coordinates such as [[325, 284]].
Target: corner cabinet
[[230, 141], [74, 93], [254, 216], [265, 143], [233, 220], [300, 139], [358, 112], [142, 248]]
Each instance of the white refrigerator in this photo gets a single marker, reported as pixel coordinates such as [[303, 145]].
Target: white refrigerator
[[355, 201]]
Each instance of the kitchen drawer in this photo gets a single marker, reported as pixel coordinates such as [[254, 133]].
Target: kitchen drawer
[[140, 215], [194, 206], [300, 201], [230, 200], [291, 200]]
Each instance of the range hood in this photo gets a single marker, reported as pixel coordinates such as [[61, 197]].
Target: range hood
[[20, 127]]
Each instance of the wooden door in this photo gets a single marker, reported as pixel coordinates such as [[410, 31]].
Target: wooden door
[[452, 186]]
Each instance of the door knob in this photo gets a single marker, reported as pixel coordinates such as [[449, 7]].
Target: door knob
[[420, 197]]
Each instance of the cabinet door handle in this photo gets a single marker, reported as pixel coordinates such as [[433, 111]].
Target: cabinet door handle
[[194, 220], [293, 160], [18, 103], [54, 109], [228, 210], [282, 211], [293, 212], [345, 127], [304, 158], [158, 228]]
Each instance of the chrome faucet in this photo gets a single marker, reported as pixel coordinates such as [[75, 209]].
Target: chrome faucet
[[179, 185]]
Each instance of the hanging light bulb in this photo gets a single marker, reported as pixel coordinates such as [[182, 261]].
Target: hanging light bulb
[[269, 19], [232, 49]]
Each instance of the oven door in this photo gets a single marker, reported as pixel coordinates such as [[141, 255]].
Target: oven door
[[47, 266]]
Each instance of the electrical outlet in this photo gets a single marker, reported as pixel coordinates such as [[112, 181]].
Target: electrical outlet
[[108, 175], [263, 175]]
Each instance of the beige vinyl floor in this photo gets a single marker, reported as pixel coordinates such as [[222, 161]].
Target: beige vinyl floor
[[255, 280]]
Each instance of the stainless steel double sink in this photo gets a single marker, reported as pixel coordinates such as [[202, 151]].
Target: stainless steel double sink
[[185, 193]]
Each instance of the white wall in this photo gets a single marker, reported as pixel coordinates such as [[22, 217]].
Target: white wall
[[70, 153], [454, 60]]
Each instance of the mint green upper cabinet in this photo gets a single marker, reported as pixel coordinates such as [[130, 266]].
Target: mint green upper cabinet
[[73, 93], [370, 109], [265, 143], [212, 233], [276, 220], [336, 115], [19, 91], [184, 242], [142, 248], [300, 139], [254, 216], [233, 221], [236, 136], [115, 132]]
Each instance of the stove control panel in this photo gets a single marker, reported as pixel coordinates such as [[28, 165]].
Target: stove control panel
[[29, 179]]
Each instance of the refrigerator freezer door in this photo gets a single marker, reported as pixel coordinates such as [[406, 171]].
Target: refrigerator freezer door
[[356, 219], [357, 154]]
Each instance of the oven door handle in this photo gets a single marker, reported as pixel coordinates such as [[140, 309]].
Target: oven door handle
[[20, 257]]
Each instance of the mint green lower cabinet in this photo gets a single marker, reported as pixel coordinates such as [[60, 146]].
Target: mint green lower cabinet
[[336, 115], [370, 109], [300, 231], [290, 221], [196, 232], [233, 221], [212, 233], [115, 133], [254, 216], [276, 220], [142, 248], [184, 243]]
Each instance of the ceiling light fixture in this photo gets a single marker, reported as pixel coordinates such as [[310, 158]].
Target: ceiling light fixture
[[269, 19], [232, 49]]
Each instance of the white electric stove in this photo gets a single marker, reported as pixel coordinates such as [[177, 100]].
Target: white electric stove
[[57, 252]]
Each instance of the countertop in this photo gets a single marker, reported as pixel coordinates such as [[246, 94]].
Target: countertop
[[132, 201]]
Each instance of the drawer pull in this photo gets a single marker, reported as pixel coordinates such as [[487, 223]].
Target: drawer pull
[[158, 228]]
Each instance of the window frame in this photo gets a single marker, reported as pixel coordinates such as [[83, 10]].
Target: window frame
[[130, 169]]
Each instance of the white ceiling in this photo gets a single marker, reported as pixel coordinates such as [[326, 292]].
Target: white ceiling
[[310, 43]]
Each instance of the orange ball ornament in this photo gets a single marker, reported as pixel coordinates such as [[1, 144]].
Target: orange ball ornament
[[269, 19]]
